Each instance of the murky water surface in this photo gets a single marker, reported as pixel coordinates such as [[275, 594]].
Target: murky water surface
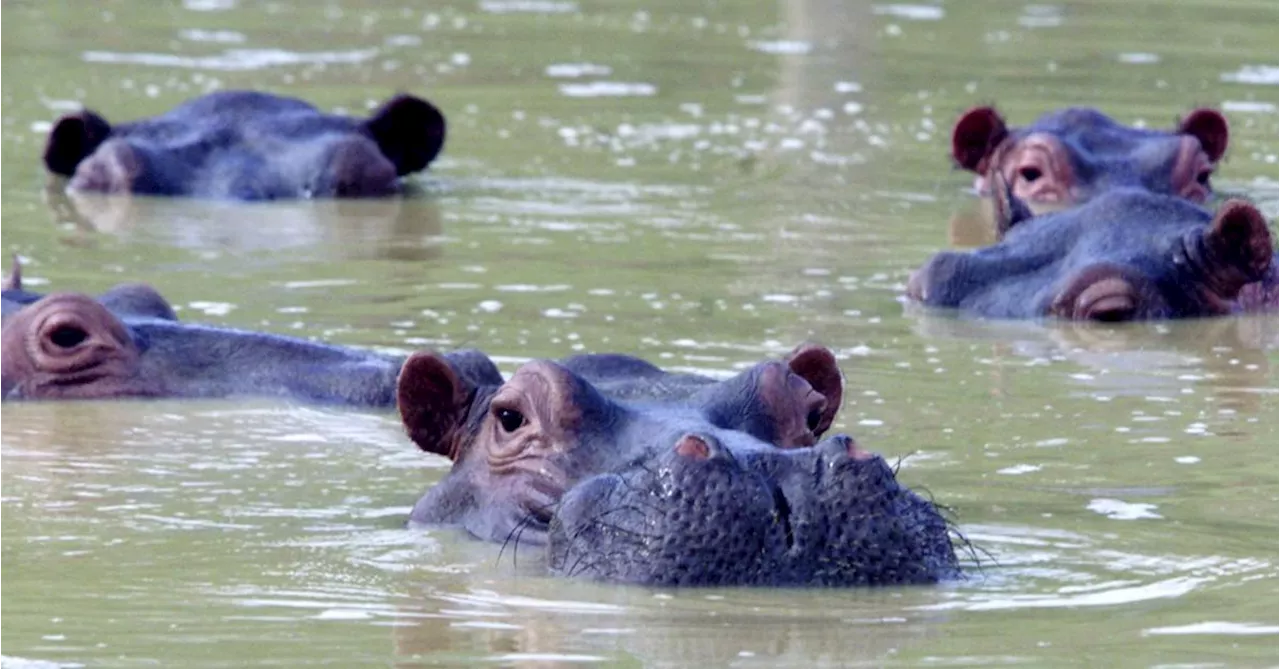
[[704, 184]]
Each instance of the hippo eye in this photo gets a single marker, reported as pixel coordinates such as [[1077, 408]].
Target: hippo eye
[[813, 420], [1030, 174], [1203, 177], [510, 419], [68, 336]]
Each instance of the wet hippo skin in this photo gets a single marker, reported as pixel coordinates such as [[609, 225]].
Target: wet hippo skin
[[1068, 156], [248, 145], [1124, 255], [730, 484]]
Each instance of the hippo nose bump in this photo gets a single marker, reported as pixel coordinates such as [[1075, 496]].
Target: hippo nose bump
[[698, 446], [843, 445]]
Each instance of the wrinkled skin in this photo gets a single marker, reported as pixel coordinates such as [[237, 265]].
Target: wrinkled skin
[[1069, 156], [68, 346], [245, 145], [1125, 255], [714, 483]]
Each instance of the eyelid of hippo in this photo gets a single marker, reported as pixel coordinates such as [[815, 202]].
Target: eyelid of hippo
[[54, 347]]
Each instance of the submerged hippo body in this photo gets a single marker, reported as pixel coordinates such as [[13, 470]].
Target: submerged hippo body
[[722, 484], [246, 145], [1069, 156], [1125, 255], [71, 346]]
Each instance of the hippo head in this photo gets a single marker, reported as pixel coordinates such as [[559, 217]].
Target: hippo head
[[720, 488], [127, 343], [1125, 255], [1071, 155], [248, 146]]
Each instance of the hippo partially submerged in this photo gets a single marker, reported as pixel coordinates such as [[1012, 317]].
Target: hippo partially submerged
[[128, 344], [711, 483], [1068, 156], [1127, 254], [247, 145]]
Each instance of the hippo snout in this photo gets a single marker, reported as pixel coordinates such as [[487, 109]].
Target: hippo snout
[[708, 514]]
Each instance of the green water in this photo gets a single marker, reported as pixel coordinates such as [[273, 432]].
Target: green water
[[751, 174]]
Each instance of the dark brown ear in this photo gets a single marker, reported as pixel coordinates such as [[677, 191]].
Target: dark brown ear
[[817, 365], [975, 138], [432, 403], [74, 138], [409, 131], [14, 280], [1239, 239], [1210, 127]]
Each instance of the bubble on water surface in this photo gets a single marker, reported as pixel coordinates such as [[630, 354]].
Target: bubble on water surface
[[781, 47], [1138, 58], [527, 6], [910, 12], [576, 70], [1260, 75], [12, 662], [233, 60], [1215, 627], [608, 89], [1120, 510], [1019, 469]]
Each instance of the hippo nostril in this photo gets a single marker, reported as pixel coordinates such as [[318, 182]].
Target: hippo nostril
[[693, 446], [68, 336]]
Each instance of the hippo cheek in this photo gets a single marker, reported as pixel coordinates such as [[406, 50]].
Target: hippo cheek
[[114, 168], [357, 168]]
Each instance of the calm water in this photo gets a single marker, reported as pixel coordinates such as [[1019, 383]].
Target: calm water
[[704, 184]]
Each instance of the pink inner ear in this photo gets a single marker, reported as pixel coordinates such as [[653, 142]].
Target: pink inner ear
[[1210, 127], [976, 136], [430, 400], [817, 365], [1240, 232]]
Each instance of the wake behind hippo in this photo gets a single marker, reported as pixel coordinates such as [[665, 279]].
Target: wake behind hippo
[[247, 145], [1066, 157], [728, 485], [1125, 255]]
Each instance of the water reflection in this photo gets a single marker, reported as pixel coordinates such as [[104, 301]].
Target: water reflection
[[403, 229], [1232, 358]]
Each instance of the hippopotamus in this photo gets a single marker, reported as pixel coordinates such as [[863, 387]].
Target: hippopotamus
[[126, 299], [1127, 254], [694, 483], [1068, 156], [128, 344], [248, 145]]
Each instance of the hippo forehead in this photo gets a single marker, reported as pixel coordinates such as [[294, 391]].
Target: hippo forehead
[[1096, 140]]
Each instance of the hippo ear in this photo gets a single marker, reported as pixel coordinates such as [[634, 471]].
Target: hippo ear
[[1210, 127], [74, 138], [817, 365], [14, 280], [1239, 240], [975, 138], [432, 402], [1009, 209], [409, 131]]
